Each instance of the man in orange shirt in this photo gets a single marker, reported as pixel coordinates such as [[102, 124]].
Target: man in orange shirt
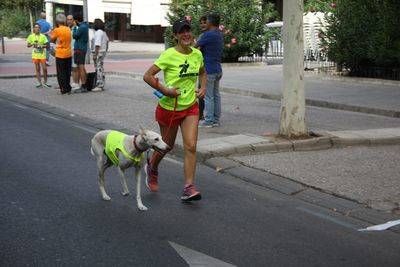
[[62, 36]]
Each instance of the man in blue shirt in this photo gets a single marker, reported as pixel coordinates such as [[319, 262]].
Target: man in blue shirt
[[81, 37], [211, 45], [45, 28]]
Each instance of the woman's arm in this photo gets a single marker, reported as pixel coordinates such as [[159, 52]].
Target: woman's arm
[[150, 78], [203, 81]]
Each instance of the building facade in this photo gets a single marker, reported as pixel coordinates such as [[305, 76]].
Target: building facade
[[125, 20]]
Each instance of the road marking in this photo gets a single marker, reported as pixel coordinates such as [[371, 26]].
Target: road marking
[[173, 161], [87, 129], [20, 106], [195, 258], [381, 227], [327, 217], [49, 116]]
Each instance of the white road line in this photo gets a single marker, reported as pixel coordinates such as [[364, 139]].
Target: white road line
[[173, 161], [381, 227], [20, 106], [328, 218], [195, 258], [87, 129], [49, 116]]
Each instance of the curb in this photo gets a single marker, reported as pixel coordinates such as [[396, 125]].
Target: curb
[[316, 103], [23, 76], [270, 146], [322, 141], [356, 79]]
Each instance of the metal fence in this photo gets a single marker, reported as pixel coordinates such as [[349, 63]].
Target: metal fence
[[273, 54], [314, 57]]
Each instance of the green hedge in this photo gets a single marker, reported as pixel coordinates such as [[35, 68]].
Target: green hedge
[[365, 34]]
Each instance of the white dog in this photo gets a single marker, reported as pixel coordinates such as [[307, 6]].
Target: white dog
[[115, 148]]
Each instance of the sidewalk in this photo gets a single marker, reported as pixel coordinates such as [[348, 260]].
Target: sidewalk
[[355, 167]]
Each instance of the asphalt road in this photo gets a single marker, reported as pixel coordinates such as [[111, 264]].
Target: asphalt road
[[51, 213]]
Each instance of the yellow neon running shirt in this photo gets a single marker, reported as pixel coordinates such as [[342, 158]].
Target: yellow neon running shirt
[[41, 40], [180, 71]]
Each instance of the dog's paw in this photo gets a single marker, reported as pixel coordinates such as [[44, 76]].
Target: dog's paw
[[142, 207], [106, 198], [125, 193]]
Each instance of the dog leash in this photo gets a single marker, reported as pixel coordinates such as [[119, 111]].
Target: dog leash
[[170, 120]]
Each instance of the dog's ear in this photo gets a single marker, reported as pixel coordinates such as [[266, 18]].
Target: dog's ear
[[142, 131]]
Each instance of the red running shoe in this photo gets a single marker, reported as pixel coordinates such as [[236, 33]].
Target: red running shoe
[[190, 193], [151, 178]]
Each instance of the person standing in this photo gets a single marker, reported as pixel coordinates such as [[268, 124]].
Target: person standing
[[40, 44], [203, 28], [45, 28], [99, 50], [62, 35], [182, 65], [211, 44], [75, 74], [81, 36]]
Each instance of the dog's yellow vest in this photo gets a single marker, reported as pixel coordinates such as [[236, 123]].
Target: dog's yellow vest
[[114, 142]]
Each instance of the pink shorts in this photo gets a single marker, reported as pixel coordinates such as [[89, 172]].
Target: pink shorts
[[174, 118]]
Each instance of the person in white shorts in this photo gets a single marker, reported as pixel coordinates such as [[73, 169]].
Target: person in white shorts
[[99, 50]]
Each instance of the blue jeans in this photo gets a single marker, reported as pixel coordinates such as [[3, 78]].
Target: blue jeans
[[213, 98]]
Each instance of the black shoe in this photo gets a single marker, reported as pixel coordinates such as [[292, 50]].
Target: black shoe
[[81, 90]]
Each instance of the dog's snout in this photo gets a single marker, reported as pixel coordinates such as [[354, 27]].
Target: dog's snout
[[161, 147]]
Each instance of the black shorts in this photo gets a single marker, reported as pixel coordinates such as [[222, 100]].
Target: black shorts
[[79, 57]]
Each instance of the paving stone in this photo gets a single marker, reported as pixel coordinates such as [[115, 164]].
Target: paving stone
[[265, 179], [312, 144], [327, 200]]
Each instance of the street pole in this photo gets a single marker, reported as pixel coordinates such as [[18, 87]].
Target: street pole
[[292, 114], [85, 10], [3, 50], [86, 18]]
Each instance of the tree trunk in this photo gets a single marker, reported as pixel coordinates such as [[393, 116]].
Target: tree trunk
[[292, 117], [31, 19]]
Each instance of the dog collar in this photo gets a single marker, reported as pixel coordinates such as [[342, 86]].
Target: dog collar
[[136, 146]]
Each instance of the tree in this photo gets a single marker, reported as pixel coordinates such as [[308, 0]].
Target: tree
[[318, 5], [364, 36], [20, 4], [15, 14], [292, 120], [242, 21]]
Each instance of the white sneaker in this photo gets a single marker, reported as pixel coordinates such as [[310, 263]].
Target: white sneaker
[[75, 86], [97, 89], [204, 124]]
